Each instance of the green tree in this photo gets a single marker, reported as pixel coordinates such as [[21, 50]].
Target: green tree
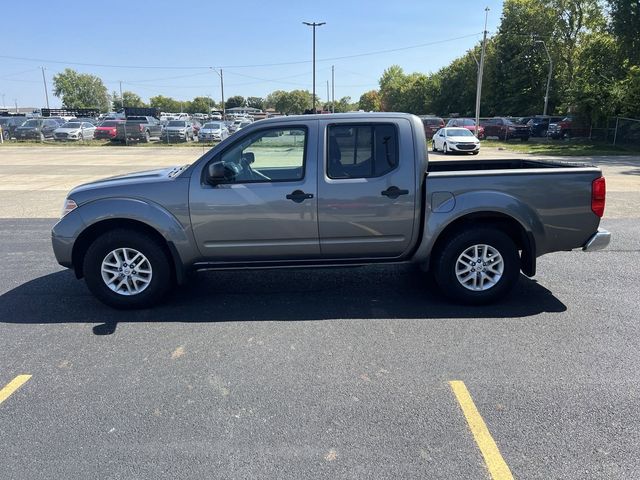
[[81, 90], [132, 100], [165, 104], [341, 106], [235, 101], [294, 102], [391, 83], [255, 102], [370, 101], [199, 105], [273, 98], [625, 24]]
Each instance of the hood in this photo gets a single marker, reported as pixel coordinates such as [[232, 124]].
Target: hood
[[210, 130], [148, 176], [463, 139], [67, 130], [27, 128]]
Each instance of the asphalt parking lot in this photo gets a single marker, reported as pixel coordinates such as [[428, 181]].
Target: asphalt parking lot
[[332, 373]]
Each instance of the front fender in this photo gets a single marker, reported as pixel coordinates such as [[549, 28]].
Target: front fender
[[440, 215]]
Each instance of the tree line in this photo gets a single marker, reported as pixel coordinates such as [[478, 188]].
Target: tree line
[[82, 90], [594, 47]]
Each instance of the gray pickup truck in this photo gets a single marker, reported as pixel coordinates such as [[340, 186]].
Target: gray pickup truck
[[328, 190]]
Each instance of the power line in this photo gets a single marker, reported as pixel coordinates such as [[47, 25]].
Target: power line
[[202, 67]]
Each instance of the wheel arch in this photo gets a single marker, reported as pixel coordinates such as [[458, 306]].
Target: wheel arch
[[91, 233], [524, 239]]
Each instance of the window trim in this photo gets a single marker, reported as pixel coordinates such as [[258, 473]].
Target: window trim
[[217, 157], [361, 124]]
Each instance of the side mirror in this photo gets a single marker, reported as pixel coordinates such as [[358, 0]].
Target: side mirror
[[248, 158], [222, 172]]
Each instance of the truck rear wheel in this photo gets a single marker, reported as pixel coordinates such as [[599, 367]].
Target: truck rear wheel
[[477, 266], [126, 269]]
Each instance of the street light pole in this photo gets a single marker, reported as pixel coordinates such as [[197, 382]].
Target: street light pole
[[314, 25], [333, 90], [46, 94], [546, 95], [480, 70], [224, 110]]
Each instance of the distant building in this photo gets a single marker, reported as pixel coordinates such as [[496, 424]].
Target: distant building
[[243, 110]]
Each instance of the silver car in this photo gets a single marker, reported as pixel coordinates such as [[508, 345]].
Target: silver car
[[213, 132], [75, 131]]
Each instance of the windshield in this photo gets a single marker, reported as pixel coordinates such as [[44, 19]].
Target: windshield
[[31, 123], [110, 123], [459, 132], [212, 126], [71, 125], [431, 121], [176, 123]]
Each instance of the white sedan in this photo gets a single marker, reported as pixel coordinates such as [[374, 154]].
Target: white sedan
[[449, 140], [75, 131]]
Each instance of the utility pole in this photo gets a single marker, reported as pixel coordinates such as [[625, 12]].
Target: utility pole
[[3, 104], [15, 101], [480, 70], [121, 97], [224, 110], [333, 90], [328, 97], [314, 25], [46, 94], [546, 95]]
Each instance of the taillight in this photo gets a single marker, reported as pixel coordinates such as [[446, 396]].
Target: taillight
[[598, 194], [141, 127]]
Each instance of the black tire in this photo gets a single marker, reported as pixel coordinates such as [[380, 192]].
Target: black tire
[[433, 146], [147, 137], [445, 261], [42, 137], [445, 149], [161, 278], [524, 139], [476, 152]]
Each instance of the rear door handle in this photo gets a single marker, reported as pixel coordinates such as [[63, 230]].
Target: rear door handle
[[299, 196], [394, 192]]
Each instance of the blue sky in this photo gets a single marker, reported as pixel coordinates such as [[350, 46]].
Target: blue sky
[[181, 39]]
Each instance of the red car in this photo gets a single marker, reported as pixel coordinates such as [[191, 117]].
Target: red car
[[469, 124], [431, 125], [107, 129]]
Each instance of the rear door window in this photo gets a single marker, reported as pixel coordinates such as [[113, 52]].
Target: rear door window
[[361, 151]]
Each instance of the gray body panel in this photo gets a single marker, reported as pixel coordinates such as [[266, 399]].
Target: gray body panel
[[347, 221]]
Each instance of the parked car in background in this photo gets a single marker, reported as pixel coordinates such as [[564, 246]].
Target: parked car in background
[[243, 124], [456, 139], [9, 125], [74, 131], [196, 127], [37, 129], [213, 132], [107, 130], [139, 128], [503, 128], [568, 127], [431, 125], [178, 131], [522, 120], [92, 121], [539, 125], [468, 123], [234, 126]]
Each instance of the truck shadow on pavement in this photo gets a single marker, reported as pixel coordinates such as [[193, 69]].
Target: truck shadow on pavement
[[391, 292]]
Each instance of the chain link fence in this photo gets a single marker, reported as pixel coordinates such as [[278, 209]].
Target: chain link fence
[[620, 131]]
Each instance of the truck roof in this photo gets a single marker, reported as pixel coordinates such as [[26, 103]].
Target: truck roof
[[336, 116]]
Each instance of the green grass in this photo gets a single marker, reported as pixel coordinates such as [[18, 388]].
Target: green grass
[[563, 147]]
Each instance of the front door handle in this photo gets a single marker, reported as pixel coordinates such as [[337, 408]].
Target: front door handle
[[299, 196], [394, 192]]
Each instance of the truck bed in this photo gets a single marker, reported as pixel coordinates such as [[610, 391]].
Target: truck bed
[[508, 164]]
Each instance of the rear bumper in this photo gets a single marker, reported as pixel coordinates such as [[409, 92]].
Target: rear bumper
[[598, 241]]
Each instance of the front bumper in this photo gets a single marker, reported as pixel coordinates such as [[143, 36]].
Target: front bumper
[[598, 241], [464, 148]]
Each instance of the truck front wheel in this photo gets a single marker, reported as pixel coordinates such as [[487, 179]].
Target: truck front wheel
[[127, 269], [477, 266]]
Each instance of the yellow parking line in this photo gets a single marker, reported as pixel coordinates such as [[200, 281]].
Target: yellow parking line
[[492, 458], [12, 386]]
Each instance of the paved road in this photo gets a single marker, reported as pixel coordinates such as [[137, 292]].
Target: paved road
[[334, 373], [319, 374]]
